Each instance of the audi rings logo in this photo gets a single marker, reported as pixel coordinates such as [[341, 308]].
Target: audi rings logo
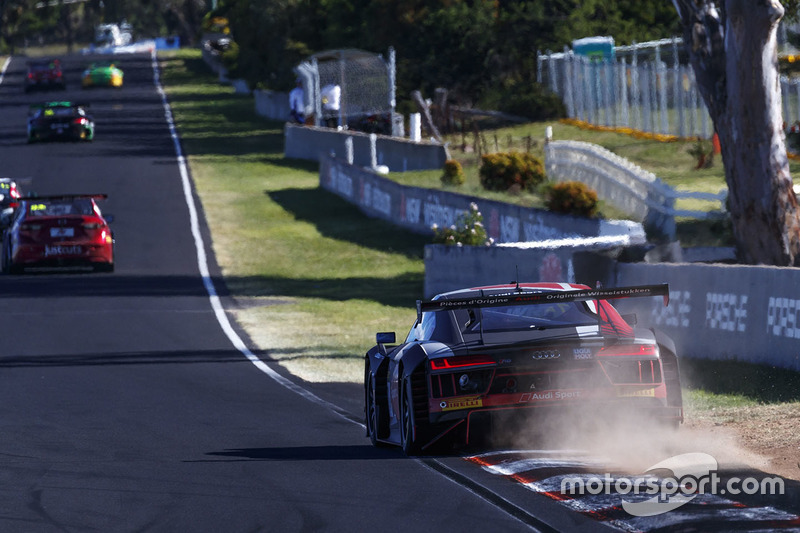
[[545, 354]]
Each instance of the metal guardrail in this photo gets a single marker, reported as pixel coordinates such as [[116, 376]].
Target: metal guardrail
[[625, 185]]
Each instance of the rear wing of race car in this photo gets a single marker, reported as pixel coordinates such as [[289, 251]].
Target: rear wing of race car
[[522, 297]]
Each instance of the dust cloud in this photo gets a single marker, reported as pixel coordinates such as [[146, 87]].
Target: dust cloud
[[623, 442]]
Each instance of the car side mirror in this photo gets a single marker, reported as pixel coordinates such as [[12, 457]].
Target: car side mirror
[[385, 337]]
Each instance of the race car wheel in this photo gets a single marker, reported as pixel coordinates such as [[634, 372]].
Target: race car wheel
[[407, 438]]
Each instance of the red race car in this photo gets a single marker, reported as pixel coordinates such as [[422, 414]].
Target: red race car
[[484, 359], [58, 231], [44, 74]]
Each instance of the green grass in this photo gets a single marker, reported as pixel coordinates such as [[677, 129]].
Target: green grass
[[743, 382], [315, 278], [730, 391]]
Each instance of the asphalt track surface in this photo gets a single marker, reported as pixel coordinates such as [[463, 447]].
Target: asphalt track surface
[[126, 406]]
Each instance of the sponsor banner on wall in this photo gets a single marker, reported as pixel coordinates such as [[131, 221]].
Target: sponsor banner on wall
[[727, 312]]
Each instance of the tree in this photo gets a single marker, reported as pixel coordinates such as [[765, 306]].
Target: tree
[[732, 45]]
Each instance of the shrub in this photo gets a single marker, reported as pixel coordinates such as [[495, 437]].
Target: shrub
[[468, 230], [505, 171], [530, 100], [453, 173], [572, 198]]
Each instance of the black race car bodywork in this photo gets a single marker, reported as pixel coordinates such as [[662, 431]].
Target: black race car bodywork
[[59, 121], [481, 357]]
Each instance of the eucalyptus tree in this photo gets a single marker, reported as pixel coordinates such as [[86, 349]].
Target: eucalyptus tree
[[732, 45]]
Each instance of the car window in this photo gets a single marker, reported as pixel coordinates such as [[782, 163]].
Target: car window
[[76, 207], [435, 325], [531, 317], [423, 330]]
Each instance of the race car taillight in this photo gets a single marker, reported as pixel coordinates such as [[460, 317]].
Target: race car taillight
[[15, 195], [628, 349], [465, 376], [80, 121], [621, 371], [624, 364], [451, 363]]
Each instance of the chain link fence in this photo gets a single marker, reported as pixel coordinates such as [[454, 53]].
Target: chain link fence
[[647, 87], [350, 89]]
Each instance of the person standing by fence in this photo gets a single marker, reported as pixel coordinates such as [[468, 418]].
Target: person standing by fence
[[331, 103]]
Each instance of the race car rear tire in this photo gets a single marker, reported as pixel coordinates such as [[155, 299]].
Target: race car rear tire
[[371, 412], [408, 440]]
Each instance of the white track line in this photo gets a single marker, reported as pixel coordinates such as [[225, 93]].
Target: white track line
[[202, 263]]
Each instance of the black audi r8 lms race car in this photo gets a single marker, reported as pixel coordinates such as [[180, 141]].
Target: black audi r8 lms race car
[[59, 121], [476, 359]]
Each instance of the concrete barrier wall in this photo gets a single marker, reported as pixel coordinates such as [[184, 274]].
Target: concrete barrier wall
[[624, 185], [449, 268], [418, 209], [398, 154], [727, 312], [273, 105]]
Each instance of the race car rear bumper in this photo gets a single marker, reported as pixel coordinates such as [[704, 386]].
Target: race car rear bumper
[[62, 255], [71, 133]]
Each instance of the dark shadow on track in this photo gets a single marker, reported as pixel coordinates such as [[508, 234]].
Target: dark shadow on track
[[129, 358], [309, 453], [102, 285]]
